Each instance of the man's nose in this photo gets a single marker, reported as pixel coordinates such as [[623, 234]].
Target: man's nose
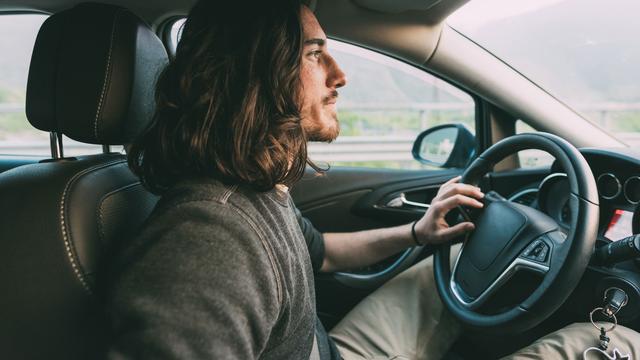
[[337, 78]]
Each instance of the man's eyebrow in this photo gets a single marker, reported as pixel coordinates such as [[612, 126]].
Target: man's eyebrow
[[315, 41]]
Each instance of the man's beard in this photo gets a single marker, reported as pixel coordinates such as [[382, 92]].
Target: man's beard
[[316, 132], [325, 132]]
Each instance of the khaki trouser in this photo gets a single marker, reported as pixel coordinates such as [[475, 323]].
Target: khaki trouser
[[405, 319], [573, 340]]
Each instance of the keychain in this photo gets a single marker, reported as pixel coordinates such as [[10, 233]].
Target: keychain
[[600, 352]]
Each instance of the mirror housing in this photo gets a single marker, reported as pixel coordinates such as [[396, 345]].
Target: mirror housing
[[445, 146]]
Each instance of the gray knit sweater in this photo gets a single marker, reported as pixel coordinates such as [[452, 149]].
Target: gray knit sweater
[[218, 272]]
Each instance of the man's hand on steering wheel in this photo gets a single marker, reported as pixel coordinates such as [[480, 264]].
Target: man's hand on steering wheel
[[432, 228]]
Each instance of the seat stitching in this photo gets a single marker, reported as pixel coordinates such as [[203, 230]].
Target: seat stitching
[[107, 76], [69, 246], [101, 202]]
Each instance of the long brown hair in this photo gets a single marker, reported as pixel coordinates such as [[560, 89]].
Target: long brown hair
[[227, 104]]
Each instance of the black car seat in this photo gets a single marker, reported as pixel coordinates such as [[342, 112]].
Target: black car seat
[[92, 78]]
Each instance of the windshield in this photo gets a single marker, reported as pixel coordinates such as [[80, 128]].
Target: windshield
[[584, 52]]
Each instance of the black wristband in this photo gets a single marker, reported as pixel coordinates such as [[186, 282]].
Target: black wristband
[[413, 233]]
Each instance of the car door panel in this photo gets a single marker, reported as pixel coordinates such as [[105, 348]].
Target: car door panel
[[352, 199], [354, 193]]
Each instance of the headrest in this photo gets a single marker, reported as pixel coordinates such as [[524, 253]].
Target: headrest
[[92, 75]]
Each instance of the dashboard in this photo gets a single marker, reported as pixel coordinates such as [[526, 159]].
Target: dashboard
[[617, 175]]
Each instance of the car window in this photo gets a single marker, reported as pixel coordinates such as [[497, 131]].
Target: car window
[[532, 158], [384, 106], [17, 136], [578, 51], [175, 32]]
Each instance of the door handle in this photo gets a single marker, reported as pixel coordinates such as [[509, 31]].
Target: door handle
[[402, 201]]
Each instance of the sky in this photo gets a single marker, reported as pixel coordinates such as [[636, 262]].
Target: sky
[[476, 13]]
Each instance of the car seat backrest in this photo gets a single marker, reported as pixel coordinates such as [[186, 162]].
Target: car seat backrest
[[92, 74], [92, 78]]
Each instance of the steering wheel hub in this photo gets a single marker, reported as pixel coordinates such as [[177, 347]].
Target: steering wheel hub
[[490, 257]]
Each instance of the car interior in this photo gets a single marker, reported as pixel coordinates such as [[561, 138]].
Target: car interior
[[554, 242]]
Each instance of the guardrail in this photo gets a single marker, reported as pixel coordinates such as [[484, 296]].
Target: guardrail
[[363, 148], [344, 149]]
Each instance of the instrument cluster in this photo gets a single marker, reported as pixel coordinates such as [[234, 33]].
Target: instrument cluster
[[617, 176], [610, 186]]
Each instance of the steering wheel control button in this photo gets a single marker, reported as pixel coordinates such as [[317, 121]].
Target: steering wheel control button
[[529, 249], [536, 251], [542, 253]]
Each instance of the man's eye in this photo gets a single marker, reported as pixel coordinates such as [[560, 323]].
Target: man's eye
[[316, 54]]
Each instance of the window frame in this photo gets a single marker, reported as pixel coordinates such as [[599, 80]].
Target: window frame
[[481, 115]]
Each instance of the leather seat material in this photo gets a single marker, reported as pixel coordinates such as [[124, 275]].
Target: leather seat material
[[40, 101], [93, 72], [76, 210], [47, 313], [101, 206], [65, 219], [92, 77]]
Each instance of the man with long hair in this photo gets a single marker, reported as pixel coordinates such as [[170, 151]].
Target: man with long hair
[[224, 267]]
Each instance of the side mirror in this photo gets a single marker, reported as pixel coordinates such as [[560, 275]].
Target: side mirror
[[445, 146]]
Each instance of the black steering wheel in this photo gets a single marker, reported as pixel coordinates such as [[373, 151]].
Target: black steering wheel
[[511, 237]]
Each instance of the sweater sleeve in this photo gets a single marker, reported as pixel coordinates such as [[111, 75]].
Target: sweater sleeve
[[194, 286], [313, 238]]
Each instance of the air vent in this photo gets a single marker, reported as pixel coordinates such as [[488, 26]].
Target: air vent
[[527, 197]]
